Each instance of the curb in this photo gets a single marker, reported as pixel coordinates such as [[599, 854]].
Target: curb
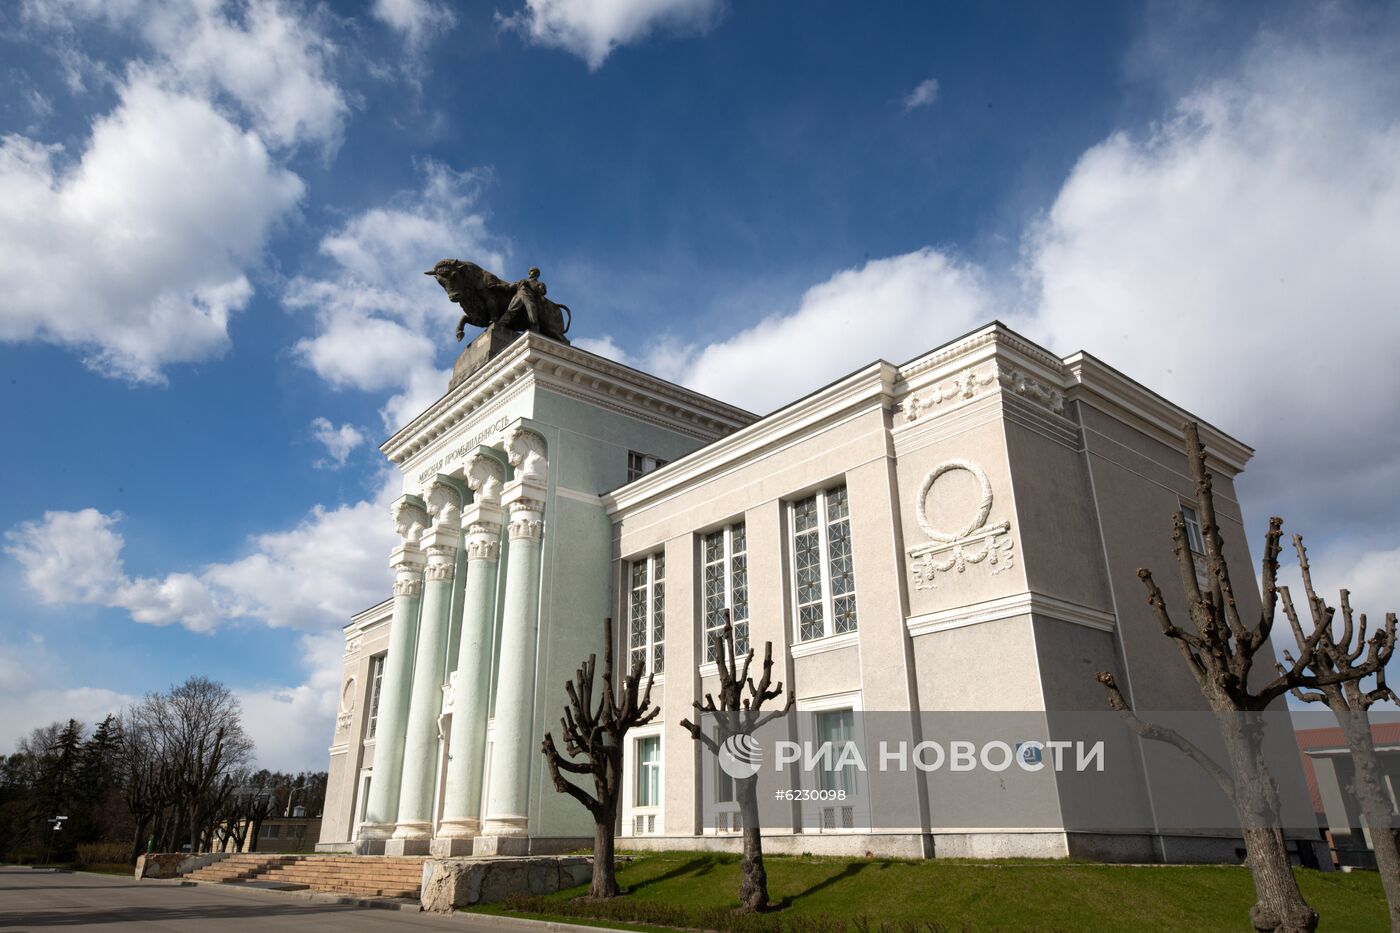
[[498, 922]]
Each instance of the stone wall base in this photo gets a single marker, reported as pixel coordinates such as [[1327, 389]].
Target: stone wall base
[[452, 883], [1136, 848], [174, 864]]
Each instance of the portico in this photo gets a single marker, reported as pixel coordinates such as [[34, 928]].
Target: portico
[[502, 573]]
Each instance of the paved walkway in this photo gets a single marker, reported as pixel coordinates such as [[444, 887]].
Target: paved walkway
[[42, 900]]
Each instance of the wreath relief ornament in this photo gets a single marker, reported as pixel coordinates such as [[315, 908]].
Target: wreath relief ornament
[[974, 543]]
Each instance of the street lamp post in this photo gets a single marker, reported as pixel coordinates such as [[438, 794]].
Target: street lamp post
[[55, 824]]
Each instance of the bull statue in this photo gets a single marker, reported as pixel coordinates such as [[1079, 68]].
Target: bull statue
[[487, 300]]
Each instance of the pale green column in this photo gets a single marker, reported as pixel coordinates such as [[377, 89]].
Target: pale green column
[[514, 746], [466, 765], [381, 809], [512, 749], [415, 814]]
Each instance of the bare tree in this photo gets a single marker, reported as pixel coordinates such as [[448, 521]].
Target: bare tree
[[736, 714], [1350, 702], [179, 752], [597, 735], [203, 720], [146, 772], [1219, 650]]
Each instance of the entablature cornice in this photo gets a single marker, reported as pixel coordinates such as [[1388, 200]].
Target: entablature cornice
[[537, 361], [1096, 383], [867, 389]]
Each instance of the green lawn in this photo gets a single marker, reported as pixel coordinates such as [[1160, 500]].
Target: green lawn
[[829, 895]]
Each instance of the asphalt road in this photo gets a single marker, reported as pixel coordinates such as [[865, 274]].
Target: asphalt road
[[42, 900]]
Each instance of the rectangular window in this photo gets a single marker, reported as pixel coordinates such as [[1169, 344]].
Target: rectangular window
[[1194, 539], [376, 681], [640, 464], [649, 771], [726, 583], [646, 614], [823, 572], [837, 727]]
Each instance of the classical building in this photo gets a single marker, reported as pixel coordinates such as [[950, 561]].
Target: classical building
[[960, 532]]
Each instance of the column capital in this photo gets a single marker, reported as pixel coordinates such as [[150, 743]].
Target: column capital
[[526, 519], [484, 540], [441, 545]]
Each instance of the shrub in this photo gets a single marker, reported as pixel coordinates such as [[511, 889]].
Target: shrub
[[104, 853]]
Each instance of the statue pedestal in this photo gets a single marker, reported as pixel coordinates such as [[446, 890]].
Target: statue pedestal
[[487, 344]]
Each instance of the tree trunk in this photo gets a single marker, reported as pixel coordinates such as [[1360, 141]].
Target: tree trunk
[[138, 842], [604, 864], [1368, 787], [1279, 906], [753, 878]]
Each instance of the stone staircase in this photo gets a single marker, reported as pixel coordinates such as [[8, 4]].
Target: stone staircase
[[232, 869], [363, 876]]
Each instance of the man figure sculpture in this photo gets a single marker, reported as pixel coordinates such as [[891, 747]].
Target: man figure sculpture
[[528, 299]]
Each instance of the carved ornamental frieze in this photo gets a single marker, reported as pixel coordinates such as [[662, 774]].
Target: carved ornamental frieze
[[974, 381], [974, 543], [347, 706]]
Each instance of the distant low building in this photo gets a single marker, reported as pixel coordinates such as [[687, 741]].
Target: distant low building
[[279, 834], [1328, 767]]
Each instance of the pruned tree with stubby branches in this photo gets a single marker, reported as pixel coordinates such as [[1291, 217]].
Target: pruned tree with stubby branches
[[594, 738], [1219, 647], [736, 714], [1355, 655]]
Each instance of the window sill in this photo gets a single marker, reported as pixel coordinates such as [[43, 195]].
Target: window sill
[[828, 643]]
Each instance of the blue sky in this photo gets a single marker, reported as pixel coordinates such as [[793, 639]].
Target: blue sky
[[215, 215]]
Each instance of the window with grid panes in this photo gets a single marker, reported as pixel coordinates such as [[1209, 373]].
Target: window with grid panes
[[646, 614], [1194, 540], [823, 571], [640, 464], [726, 586], [376, 679]]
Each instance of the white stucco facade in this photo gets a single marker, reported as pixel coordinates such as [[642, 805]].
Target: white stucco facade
[[961, 532]]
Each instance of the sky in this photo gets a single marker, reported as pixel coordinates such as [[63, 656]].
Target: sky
[[214, 217]]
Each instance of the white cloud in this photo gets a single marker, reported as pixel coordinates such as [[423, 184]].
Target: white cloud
[[22, 711], [415, 20], [604, 346], [329, 566], [380, 322], [28, 697], [267, 57], [69, 556], [886, 308], [338, 441], [312, 705], [135, 254], [923, 95], [592, 29], [1245, 268]]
